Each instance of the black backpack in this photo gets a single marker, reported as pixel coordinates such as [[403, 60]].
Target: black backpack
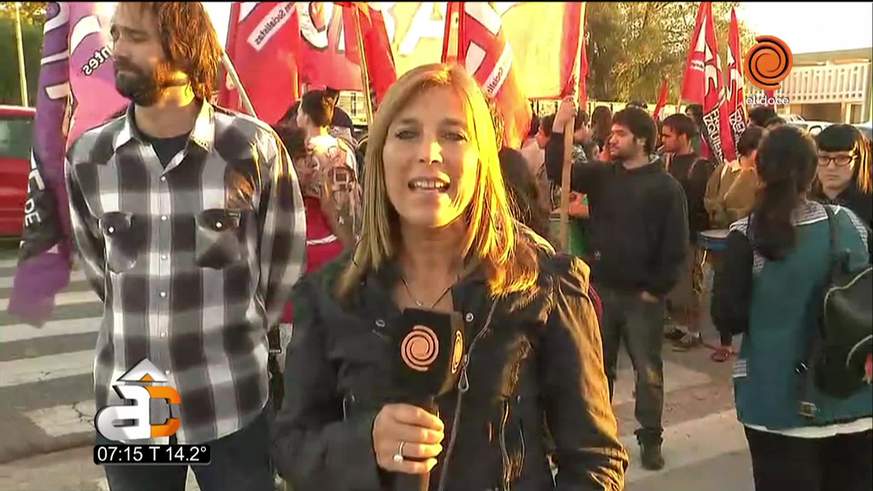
[[842, 350]]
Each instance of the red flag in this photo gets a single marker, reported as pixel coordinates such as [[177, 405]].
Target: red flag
[[662, 99], [323, 58], [692, 80], [488, 57], [583, 68], [377, 46], [716, 128], [736, 101], [262, 41]]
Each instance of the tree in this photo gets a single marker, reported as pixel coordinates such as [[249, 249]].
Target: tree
[[31, 34], [33, 12], [632, 46]]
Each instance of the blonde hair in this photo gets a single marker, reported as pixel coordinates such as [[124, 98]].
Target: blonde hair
[[494, 239]]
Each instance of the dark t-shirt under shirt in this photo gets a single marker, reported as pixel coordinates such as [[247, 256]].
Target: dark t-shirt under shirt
[[167, 148]]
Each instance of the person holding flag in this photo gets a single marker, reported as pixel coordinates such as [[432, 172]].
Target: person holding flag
[[639, 240]]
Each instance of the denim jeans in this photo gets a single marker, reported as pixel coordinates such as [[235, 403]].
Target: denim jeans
[[640, 326], [240, 461]]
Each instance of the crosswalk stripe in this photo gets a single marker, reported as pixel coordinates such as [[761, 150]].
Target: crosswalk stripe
[[19, 332], [64, 420], [68, 298], [11, 262], [690, 442], [75, 276], [42, 368]]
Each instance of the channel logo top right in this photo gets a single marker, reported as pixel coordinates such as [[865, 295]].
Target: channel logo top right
[[768, 62]]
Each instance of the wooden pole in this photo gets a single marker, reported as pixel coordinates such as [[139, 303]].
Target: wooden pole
[[564, 230], [22, 75], [365, 78], [231, 72]]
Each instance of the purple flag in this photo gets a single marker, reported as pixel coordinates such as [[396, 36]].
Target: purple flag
[[76, 78]]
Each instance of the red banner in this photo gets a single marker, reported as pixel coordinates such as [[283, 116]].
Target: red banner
[[736, 100], [377, 47], [488, 57], [262, 41], [716, 128], [583, 67], [662, 99], [323, 61], [692, 79]]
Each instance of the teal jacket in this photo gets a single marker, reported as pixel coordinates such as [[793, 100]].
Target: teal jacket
[[783, 307]]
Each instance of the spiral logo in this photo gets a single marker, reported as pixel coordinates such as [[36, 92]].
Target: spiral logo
[[419, 348], [458, 351], [768, 62]]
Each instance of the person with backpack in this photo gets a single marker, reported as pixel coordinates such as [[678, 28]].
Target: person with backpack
[[692, 172], [770, 287]]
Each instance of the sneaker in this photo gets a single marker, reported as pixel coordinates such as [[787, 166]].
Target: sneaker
[[651, 455], [674, 333], [687, 342]]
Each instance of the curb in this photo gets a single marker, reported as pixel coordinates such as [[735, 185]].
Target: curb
[[19, 449]]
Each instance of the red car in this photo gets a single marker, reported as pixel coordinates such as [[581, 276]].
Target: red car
[[16, 138]]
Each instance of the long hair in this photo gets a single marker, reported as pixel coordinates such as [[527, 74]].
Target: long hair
[[319, 106], [847, 138], [786, 166], [523, 191], [505, 249], [601, 121], [189, 41]]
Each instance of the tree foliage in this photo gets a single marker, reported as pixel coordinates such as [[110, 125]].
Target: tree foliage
[[31, 34], [633, 46], [32, 12]]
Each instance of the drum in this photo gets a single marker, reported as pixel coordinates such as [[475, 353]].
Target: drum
[[713, 240]]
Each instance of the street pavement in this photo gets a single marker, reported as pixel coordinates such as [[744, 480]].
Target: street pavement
[[47, 409]]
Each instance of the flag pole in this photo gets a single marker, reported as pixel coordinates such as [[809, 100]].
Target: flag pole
[[234, 77], [365, 77], [564, 230], [22, 75]]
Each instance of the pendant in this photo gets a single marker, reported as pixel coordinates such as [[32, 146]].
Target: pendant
[[420, 304]]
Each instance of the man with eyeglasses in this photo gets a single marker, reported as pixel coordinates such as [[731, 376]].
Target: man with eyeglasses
[[844, 176]]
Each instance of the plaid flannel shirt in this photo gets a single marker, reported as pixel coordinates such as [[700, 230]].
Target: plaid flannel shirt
[[193, 262]]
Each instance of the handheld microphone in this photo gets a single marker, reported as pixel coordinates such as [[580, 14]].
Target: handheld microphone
[[428, 349]]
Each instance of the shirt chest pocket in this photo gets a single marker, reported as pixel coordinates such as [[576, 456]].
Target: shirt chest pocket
[[218, 241], [123, 239]]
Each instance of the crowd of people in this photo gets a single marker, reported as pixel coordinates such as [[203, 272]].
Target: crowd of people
[[203, 230]]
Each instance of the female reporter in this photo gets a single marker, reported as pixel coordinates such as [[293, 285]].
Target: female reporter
[[438, 234]]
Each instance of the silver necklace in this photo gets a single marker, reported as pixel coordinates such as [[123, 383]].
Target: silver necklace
[[419, 303]]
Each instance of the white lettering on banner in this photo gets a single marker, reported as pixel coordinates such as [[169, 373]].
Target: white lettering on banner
[[315, 19], [737, 123], [482, 13], [85, 27], [273, 21], [387, 17], [99, 57], [59, 20], [475, 57], [58, 91], [246, 8], [501, 70], [711, 120], [423, 26], [503, 7], [34, 178]]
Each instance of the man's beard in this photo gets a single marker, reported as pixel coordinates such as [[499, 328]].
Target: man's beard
[[144, 89]]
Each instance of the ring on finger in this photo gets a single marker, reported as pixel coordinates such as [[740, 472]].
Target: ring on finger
[[398, 457]]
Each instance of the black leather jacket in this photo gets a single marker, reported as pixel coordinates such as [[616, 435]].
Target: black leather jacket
[[538, 364]]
